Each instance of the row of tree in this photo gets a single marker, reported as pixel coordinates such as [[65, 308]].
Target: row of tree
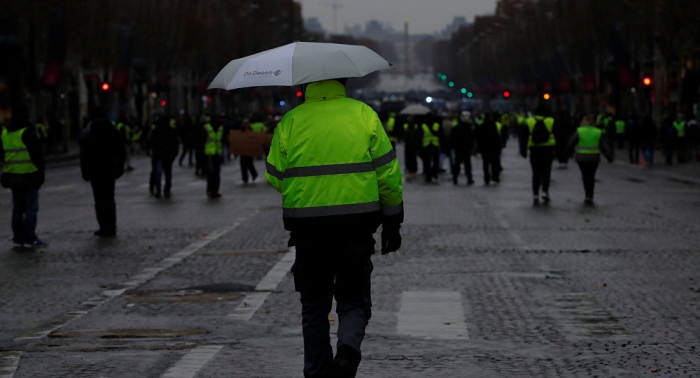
[[590, 53]]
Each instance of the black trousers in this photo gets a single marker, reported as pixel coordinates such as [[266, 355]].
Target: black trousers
[[248, 166], [462, 157], [213, 173], [187, 148], [492, 166], [541, 163], [431, 161], [411, 154], [105, 207], [634, 152], [332, 265], [588, 169]]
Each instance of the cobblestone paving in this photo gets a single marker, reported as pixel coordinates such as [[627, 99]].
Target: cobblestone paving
[[552, 291]]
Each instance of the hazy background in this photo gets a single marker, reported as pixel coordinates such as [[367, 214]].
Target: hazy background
[[425, 17]]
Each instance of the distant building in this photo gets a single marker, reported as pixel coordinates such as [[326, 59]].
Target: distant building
[[312, 25]]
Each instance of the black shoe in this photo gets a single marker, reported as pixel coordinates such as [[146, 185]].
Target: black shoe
[[454, 180], [166, 194], [470, 182], [104, 233], [213, 195], [536, 201], [545, 198], [345, 363], [157, 195]]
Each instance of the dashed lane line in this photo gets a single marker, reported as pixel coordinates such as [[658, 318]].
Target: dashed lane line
[[252, 302], [8, 363], [432, 315], [134, 282], [193, 362]]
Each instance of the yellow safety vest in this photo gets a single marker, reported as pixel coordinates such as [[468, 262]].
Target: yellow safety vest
[[588, 140], [549, 124], [331, 156], [430, 137], [213, 145], [17, 159]]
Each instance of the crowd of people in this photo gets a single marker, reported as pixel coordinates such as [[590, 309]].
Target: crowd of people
[[544, 137]]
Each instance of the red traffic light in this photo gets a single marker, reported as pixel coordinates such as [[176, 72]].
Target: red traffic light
[[647, 81], [105, 86], [298, 94], [162, 103], [506, 94]]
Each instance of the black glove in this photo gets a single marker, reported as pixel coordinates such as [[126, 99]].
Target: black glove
[[391, 238]]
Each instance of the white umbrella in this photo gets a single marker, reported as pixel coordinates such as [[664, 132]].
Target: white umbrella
[[299, 63], [415, 109]]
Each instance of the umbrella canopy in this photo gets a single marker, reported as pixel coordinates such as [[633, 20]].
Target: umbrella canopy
[[299, 63], [415, 109]]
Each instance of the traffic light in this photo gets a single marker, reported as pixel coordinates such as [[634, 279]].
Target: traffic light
[[444, 77], [506, 94], [299, 94], [470, 95], [162, 103], [452, 84], [464, 90], [105, 86], [647, 81], [547, 96], [439, 75]]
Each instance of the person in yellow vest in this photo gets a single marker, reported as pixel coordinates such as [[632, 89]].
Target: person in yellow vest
[[23, 173], [539, 136], [588, 143], [391, 128], [489, 143], [412, 139], [125, 131], [340, 179], [430, 152], [258, 127], [680, 128], [213, 149], [620, 126]]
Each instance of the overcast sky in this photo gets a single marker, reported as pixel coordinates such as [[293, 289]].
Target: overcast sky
[[424, 16]]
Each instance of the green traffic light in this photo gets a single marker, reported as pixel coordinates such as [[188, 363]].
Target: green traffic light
[[470, 95], [439, 75], [451, 84], [464, 90], [444, 77]]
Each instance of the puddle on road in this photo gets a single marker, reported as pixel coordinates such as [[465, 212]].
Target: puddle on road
[[128, 333], [197, 294], [585, 317]]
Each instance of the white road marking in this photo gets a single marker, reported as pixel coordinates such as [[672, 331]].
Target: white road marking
[[432, 315], [135, 281], [192, 362], [252, 302], [8, 363]]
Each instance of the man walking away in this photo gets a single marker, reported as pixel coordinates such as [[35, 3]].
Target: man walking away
[[246, 162], [679, 126], [431, 149], [489, 144], [332, 215], [23, 173], [102, 157], [164, 146], [187, 137], [412, 137], [213, 149], [462, 143], [588, 143], [633, 134], [648, 135], [539, 134], [693, 136]]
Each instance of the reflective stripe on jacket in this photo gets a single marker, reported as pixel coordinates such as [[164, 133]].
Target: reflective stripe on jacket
[[589, 140], [17, 159], [213, 145], [331, 156], [548, 123]]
